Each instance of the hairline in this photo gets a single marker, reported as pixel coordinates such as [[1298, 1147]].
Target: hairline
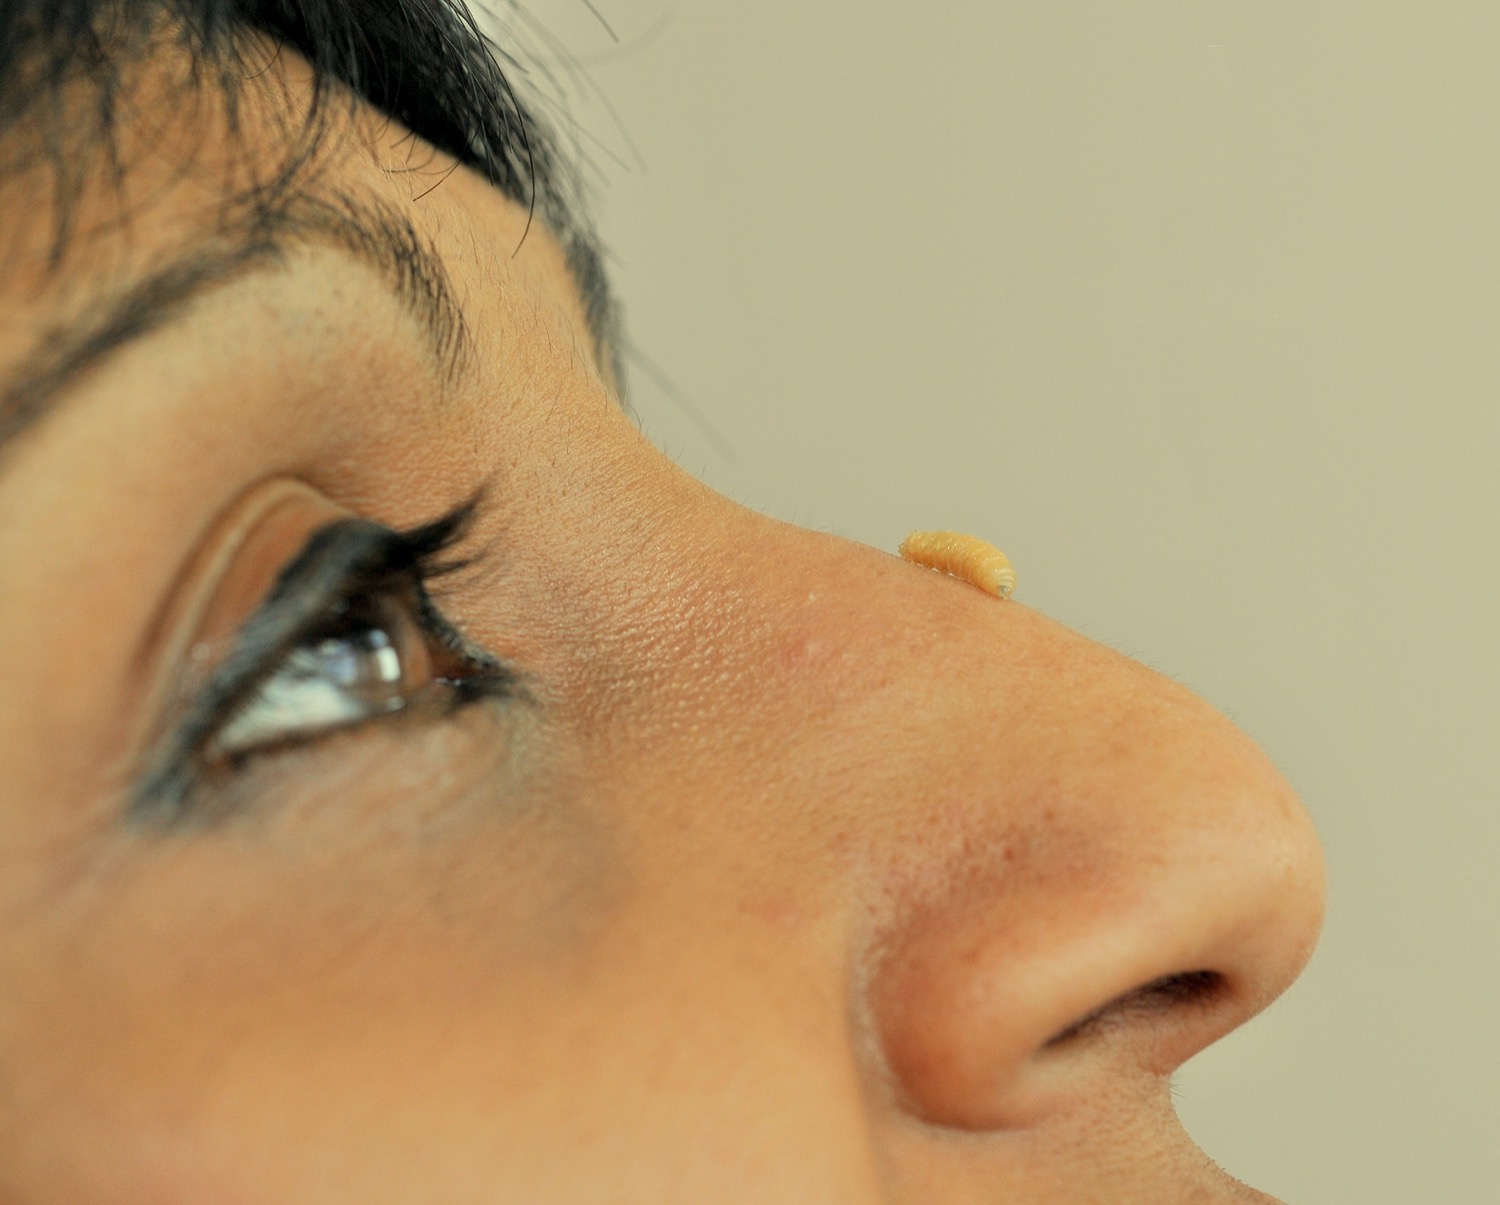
[[525, 155]]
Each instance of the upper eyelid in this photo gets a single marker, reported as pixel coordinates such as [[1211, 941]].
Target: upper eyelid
[[304, 592]]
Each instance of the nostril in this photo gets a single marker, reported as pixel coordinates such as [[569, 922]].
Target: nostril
[[1191, 990]]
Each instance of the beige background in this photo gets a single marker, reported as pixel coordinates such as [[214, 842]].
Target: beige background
[[1192, 308]]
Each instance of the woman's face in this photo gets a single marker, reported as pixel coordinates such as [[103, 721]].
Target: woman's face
[[758, 865]]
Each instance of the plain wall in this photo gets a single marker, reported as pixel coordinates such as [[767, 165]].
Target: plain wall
[[1194, 309]]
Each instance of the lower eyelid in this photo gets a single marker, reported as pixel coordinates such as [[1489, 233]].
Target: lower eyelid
[[343, 766]]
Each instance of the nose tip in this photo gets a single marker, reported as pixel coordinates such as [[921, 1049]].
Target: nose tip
[[1111, 919]]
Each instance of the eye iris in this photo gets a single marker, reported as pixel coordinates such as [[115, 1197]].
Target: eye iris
[[366, 664]]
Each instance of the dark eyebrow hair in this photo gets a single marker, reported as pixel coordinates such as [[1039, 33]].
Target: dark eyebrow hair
[[265, 236]]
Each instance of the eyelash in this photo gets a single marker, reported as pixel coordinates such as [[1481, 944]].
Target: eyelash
[[352, 579]]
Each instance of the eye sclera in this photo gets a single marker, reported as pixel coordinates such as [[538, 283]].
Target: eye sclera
[[334, 680]]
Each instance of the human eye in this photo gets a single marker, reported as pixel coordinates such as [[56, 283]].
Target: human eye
[[349, 634]]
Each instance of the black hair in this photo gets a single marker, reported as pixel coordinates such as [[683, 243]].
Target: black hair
[[66, 64]]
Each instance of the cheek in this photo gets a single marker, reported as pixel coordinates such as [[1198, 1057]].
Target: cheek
[[359, 968]]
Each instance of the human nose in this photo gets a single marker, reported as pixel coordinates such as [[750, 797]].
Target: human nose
[[1049, 873], [1099, 876]]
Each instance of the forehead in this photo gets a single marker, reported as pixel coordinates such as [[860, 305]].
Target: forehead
[[231, 181], [103, 176]]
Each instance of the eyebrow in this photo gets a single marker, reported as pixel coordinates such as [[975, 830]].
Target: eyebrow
[[265, 237]]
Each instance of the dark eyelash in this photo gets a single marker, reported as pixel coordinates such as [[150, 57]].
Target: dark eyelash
[[340, 564]]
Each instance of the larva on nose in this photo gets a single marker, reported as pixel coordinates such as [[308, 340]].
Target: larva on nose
[[977, 562]]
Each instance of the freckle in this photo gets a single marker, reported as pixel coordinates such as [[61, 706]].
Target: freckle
[[975, 561]]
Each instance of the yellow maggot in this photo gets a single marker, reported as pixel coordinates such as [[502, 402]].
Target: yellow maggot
[[976, 561]]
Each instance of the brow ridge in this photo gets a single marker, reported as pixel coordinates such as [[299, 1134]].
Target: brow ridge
[[257, 238]]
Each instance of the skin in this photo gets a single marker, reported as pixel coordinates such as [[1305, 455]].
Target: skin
[[776, 891]]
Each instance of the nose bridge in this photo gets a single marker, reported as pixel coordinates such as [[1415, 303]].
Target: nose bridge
[[1031, 828]]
